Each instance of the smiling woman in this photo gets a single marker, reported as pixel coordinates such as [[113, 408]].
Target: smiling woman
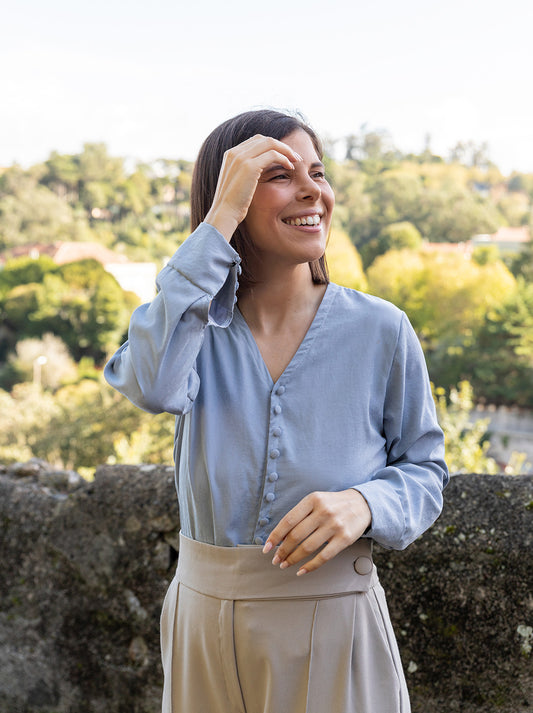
[[290, 213], [305, 429], [230, 135]]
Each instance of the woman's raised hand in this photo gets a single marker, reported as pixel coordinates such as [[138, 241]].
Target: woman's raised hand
[[337, 519], [241, 169]]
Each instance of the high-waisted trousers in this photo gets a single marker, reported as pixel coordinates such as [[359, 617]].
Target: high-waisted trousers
[[241, 636]]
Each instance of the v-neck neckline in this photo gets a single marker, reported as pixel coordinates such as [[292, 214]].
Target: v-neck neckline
[[303, 348]]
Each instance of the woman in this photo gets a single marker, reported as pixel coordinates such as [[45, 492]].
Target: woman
[[305, 428]]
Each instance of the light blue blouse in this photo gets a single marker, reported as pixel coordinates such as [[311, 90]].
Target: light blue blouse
[[352, 409]]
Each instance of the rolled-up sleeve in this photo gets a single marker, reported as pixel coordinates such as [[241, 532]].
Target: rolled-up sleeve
[[155, 367]]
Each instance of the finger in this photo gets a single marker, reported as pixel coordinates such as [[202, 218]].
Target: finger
[[239, 175], [302, 538], [287, 523], [236, 185], [258, 144], [254, 166], [272, 158], [259, 152], [303, 549], [327, 553]]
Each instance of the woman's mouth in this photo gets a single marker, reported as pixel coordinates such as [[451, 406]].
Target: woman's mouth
[[304, 220]]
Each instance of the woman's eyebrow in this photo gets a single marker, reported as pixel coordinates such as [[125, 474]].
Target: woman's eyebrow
[[275, 167], [279, 167]]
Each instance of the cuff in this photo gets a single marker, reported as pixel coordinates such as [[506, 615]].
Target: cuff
[[205, 259]]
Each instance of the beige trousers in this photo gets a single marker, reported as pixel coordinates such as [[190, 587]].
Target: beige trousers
[[241, 636]]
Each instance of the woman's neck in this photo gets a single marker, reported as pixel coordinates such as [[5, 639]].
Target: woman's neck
[[270, 305]]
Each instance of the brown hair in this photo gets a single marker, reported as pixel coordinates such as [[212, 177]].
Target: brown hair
[[232, 132]]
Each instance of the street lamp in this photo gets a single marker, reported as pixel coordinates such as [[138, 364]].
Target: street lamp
[[38, 364]]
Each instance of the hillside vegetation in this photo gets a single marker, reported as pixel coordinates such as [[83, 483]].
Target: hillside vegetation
[[59, 323]]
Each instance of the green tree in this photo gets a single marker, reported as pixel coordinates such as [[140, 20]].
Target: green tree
[[396, 196], [443, 294], [455, 215], [486, 254], [344, 262], [522, 264], [85, 306], [96, 165], [63, 176], [515, 208], [79, 302], [465, 438], [17, 308], [353, 203], [34, 214], [23, 271], [80, 426], [497, 357], [25, 415], [395, 236], [372, 150]]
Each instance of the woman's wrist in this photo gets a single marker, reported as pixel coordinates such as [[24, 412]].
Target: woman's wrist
[[225, 223]]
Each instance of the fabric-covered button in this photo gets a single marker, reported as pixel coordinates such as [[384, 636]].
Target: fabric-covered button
[[277, 409], [270, 497], [276, 432], [363, 565], [258, 540], [264, 521], [274, 453], [280, 390], [273, 477]]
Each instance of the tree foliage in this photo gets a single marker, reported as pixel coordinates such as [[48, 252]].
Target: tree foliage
[[497, 357], [79, 302], [473, 316], [344, 263], [81, 425], [465, 438], [91, 196], [395, 236], [443, 294]]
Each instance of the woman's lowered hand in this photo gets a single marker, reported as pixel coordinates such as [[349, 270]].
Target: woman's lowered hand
[[335, 520]]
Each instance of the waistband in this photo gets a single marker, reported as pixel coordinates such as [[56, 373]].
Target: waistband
[[244, 572]]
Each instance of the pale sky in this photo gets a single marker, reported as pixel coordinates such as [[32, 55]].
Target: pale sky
[[151, 79]]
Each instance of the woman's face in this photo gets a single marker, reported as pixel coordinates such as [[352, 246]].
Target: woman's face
[[290, 215]]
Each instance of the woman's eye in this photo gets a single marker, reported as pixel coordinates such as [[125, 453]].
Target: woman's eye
[[279, 176], [318, 174]]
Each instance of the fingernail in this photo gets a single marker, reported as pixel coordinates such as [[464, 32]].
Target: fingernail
[[284, 565], [267, 548], [276, 559], [300, 572]]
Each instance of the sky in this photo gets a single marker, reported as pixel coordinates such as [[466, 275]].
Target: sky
[[152, 79]]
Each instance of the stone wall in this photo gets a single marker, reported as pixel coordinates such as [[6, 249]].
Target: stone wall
[[85, 567]]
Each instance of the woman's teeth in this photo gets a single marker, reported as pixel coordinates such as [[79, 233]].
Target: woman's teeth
[[309, 220]]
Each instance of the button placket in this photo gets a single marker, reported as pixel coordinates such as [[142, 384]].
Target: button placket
[[274, 451]]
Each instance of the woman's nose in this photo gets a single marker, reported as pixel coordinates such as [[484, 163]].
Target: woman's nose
[[308, 188]]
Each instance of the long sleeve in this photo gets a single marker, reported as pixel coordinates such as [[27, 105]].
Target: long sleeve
[[155, 367], [405, 496]]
